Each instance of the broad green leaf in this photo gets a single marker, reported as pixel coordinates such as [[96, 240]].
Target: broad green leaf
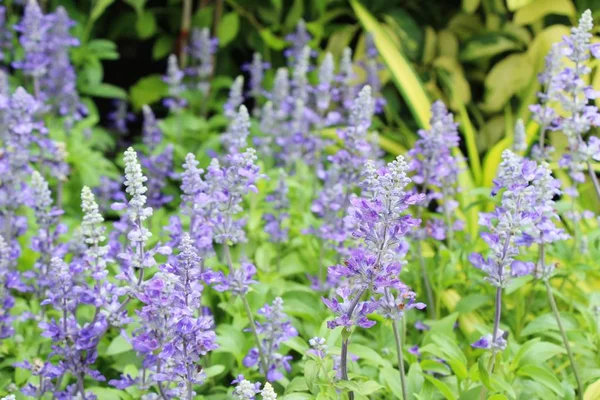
[[536, 352], [505, 79], [538, 9], [471, 302], [442, 387], [294, 14], [470, 6], [147, 90], [593, 391], [547, 322], [145, 25], [105, 90], [486, 46], [163, 46], [118, 345], [405, 78], [542, 375], [228, 28], [214, 370], [274, 42], [516, 4]]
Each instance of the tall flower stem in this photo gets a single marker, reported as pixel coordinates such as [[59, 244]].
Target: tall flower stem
[[400, 351], [426, 282], [561, 328], [497, 315], [345, 341], [263, 360], [344, 361], [594, 179]]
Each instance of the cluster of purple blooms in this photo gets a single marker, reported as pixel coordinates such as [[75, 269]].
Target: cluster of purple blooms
[[436, 170], [366, 223], [566, 85], [514, 225], [380, 221]]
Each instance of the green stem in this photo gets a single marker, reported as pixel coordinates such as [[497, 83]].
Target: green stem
[[399, 350], [263, 361]]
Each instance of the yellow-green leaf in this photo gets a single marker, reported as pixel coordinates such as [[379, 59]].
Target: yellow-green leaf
[[540, 8], [516, 4], [404, 76]]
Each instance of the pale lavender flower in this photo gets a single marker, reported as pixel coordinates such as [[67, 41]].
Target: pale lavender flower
[[275, 225], [174, 80], [201, 48], [120, 117], [34, 34], [324, 88], [151, 132], [235, 138], [276, 329], [236, 97], [299, 39]]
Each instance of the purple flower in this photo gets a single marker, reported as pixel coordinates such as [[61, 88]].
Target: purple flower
[[276, 329], [201, 49], [280, 204]]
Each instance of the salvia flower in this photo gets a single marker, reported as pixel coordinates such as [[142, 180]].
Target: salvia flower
[[174, 81], [174, 334], [235, 138], [227, 185], [276, 220], [7, 281], [236, 97], [135, 256], [245, 390], [202, 47], [326, 77], [509, 223], [378, 219], [300, 84], [434, 166], [520, 137], [34, 30], [345, 78], [280, 94], [372, 67], [276, 329], [570, 89], [299, 39], [257, 73], [151, 133], [120, 117]]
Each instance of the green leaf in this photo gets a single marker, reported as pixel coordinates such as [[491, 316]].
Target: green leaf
[[145, 25], [516, 4], [471, 302], [274, 42], [163, 46], [214, 370], [542, 375], [404, 77], [435, 366], [105, 90], [368, 354], [311, 371], [505, 79], [535, 351], [118, 345], [441, 386], [540, 8], [547, 322], [228, 28], [470, 6], [147, 90], [486, 46], [295, 13], [484, 374], [99, 8]]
